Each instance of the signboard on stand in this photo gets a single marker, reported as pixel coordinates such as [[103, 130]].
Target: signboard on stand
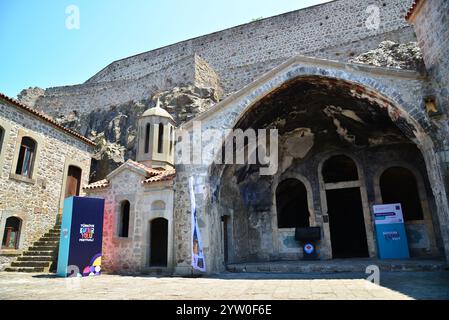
[[390, 232], [80, 246]]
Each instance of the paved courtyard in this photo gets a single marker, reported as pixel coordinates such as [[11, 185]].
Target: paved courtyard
[[229, 286]]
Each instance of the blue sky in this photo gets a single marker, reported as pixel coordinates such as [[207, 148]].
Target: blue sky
[[38, 50]]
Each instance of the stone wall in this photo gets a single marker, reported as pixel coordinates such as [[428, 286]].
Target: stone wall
[[242, 53], [85, 98], [432, 29], [36, 201], [335, 30]]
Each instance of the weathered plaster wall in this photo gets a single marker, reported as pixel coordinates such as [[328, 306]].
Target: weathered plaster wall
[[251, 203], [37, 201]]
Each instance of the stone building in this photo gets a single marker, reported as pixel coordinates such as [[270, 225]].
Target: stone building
[[358, 93], [138, 231], [41, 163]]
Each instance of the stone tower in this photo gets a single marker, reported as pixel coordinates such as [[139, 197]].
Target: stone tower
[[155, 144]]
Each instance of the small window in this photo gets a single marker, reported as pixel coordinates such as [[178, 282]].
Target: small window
[[171, 140], [2, 134], [26, 157], [124, 219], [147, 138], [160, 143], [11, 233]]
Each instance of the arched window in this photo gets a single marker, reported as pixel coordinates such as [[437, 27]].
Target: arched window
[[123, 230], [160, 143], [339, 168], [2, 134], [147, 137], [27, 154], [398, 185], [11, 233], [171, 140], [73, 182], [292, 206]]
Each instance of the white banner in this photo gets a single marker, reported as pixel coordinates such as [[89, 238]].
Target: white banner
[[198, 261]]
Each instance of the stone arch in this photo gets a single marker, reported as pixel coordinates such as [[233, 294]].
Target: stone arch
[[428, 221], [375, 84], [278, 179], [359, 183]]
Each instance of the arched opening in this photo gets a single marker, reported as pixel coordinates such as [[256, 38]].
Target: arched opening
[[314, 115], [147, 137], [2, 134], [345, 209], [339, 168], [398, 185], [291, 204], [159, 242], [160, 142], [123, 227], [25, 161], [73, 182], [171, 140], [11, 233]]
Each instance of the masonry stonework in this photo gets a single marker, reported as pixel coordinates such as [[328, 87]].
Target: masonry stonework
[[36, 201]]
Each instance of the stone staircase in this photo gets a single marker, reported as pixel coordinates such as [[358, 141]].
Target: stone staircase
[[41, 256]]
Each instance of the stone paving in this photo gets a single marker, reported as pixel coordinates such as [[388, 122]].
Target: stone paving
[[228, 286]]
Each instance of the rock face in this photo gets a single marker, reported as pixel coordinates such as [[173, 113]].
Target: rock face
[[115, 129], [31, 95], [394, 55]]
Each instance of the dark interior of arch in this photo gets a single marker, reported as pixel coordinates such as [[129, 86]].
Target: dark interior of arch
[[292, 205], [333, 110], [338, 169], [317, 102], [398, 185]]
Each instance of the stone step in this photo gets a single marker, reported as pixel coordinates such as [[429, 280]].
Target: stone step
[[36, 258], [25, 269], [49, 239], [52, 233], [43, 248], [34, 264], [45, 243], [47, 253], [337, 266]]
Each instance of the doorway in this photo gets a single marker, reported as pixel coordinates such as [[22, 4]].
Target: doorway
[[346, 222], [158, 242], [73, 183]]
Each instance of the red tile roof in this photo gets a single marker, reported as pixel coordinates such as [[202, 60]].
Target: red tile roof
[[150, 171], [44, 117], [154, 175], [97, 185], [412, 9], [165, 175]]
